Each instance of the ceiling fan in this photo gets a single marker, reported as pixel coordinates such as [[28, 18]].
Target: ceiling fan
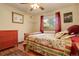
[[34, 6]]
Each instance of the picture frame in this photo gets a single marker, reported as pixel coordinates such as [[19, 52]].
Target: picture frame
[[68, 17], [17, 18]]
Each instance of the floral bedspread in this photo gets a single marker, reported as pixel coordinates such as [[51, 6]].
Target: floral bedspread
[[49, 40]]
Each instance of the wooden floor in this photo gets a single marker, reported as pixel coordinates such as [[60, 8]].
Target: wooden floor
[[20, 46]]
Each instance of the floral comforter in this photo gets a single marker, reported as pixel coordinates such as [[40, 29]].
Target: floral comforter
[[50, 41]]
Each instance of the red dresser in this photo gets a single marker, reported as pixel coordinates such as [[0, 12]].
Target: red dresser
[[8, 38]]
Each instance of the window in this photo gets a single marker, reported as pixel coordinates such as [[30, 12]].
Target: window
[[49, 23]]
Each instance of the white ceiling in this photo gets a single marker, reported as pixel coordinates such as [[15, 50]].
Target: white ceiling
[[47, 7]]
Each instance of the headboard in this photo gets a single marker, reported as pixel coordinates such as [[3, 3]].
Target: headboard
[[8, 38]]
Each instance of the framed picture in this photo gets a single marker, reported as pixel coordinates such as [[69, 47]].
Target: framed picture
[[68, 17], [17, 18]]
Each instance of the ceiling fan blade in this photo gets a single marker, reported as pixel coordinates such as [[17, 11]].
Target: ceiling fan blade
[[41, 8], [24, 3], [31, 9]]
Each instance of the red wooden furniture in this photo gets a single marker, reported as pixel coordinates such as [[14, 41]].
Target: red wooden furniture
[[75, 47], [8, 38]]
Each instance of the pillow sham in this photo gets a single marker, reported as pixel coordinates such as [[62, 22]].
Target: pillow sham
[[49, 32], [35, 33], [60, 34], [66, 36]]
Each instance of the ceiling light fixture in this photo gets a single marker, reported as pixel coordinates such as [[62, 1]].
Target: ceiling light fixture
[[35, 6]]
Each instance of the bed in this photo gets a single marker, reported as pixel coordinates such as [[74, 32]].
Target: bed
[[49, 44]]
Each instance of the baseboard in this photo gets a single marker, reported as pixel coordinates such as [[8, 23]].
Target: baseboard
[[7, 48], [20, 42]]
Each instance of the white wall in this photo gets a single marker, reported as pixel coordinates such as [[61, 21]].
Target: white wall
[[71, 8], [36, 21], [6, 21], [66, 9]]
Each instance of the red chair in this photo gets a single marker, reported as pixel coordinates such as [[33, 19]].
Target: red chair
[[73, 29], [74, 48]]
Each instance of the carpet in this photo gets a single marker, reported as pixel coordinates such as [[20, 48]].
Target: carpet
[[13, 52]]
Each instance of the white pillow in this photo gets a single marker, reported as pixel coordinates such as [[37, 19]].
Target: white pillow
[[50, 32], [36, 33]]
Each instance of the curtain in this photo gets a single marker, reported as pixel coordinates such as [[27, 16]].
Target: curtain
[[57, 22], [41, 24]]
